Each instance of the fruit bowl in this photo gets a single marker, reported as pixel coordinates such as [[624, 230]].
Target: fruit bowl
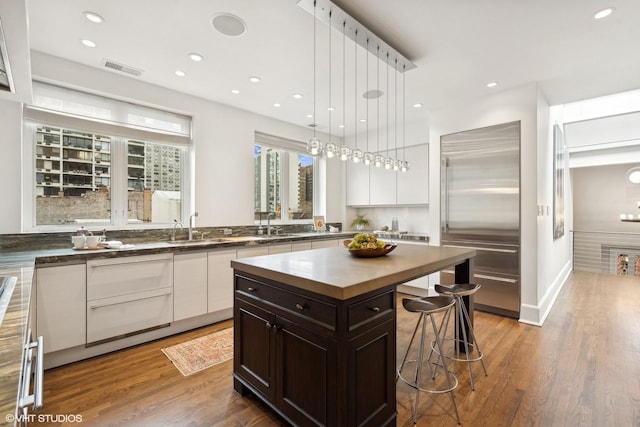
[[370, 252]]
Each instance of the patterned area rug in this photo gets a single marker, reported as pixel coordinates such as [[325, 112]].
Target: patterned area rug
[[201, 353]]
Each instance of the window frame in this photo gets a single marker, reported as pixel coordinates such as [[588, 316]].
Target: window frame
[[34, 116], [288, 146]]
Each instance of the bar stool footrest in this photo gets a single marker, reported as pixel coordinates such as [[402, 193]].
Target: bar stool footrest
[[457, 343], [412, 384]]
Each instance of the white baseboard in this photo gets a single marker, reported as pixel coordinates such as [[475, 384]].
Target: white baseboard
[[537, 314], [74, 354]]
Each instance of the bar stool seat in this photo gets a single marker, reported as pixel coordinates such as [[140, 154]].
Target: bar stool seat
[[468, 342], [427, 307]]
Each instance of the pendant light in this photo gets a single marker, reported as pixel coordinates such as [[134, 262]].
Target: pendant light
[[388, 161], [345, 151], [314, 146], [367, 158], [356, 153], [330, 149], [396, 163], [404, 165], [378, 160]]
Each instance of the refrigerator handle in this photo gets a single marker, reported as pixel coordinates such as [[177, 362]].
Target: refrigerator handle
[[445, 224]]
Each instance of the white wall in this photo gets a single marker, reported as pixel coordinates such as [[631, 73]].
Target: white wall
[[223, 138], [10, 165], [506, 106], [554, 255]]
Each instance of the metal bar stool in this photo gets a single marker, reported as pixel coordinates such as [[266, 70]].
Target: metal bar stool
[[427, 307], [468, 342]]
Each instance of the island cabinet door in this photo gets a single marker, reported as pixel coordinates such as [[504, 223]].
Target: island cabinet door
[[371, 382], [306, 383], [255, 347]]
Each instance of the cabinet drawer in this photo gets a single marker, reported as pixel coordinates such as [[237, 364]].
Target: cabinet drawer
[[112, 277], [311, 309], [370, 309], [124, 315]]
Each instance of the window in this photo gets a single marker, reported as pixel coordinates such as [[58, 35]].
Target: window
[[284, 179], [85, 171]]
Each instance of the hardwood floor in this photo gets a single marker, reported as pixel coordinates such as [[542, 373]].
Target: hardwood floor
[[582, 368]]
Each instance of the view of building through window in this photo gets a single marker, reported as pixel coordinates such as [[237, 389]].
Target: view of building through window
[[283, 183], [74, 171]]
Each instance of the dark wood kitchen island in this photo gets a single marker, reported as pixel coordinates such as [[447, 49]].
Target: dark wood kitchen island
[[315, 331]]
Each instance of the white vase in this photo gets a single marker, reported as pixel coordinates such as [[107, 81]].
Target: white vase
[[360, 227]]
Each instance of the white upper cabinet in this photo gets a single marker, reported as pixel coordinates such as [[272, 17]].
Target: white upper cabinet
[[357, 184], [372, 186], [413, 185]]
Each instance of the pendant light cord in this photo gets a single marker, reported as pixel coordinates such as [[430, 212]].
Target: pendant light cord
[[314, 69], [330, 107], [344, 82], [367, 99], [378, 102]]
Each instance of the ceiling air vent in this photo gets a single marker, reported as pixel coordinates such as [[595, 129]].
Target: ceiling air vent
[[121, 67]]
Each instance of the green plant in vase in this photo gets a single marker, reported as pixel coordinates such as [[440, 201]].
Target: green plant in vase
[[360, 222]]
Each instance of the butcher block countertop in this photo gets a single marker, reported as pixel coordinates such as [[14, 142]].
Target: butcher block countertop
[[335, 273]]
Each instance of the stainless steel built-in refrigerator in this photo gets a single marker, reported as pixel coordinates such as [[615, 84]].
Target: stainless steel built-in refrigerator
[[480, 209]]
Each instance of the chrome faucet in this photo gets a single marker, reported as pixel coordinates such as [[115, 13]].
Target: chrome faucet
[[173, 230], [191, 225], [269, 215]]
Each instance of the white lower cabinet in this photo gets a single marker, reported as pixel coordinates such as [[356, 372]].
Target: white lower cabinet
[[326, 243], [128, 295], [250, 251], [279, 248], [61, 299], [190, 285], [300, 246], [220, 280]]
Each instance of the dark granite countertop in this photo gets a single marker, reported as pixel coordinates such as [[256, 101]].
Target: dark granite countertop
[[21, 265]]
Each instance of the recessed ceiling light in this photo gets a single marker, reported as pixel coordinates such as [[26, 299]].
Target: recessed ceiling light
[[603, 13], [417, 105], [93, 17], [235, 91], [341, 126], [492, 84], [88, 43], [363, 120], [276, 105], [254, 79], [331, 108], [195, 57], [309, 116], [228, 24], [180, 73], [297, 95]]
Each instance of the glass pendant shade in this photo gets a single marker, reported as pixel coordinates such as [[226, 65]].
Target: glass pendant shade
[[388, 163], [330, 149], [404, 166], [378, 160], [367, 158], [396, 165], [345, 153], [356, 155], [314, 146]]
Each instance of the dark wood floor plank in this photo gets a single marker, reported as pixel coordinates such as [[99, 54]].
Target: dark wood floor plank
[[582, 368]]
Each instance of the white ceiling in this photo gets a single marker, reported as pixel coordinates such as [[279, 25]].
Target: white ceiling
[[457, 45]]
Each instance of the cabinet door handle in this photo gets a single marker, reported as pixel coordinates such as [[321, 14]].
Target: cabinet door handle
[[251, 289], [375, 309], [300, 307]]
